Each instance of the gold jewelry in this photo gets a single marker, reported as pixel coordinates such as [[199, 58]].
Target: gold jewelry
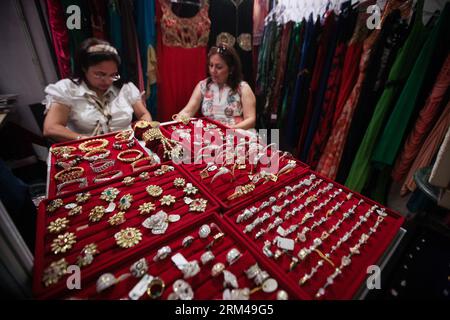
[[93, 144], [124, 135], [96, 213], [87, 255], [69, 174], [75, 211], [146, 208], [241, 190], [63, 242], [324, 257], [107, 176], [125, 202], [179, 182], [154, 191], [83, 197], [53, 205], [96, 154], [63, 150], [141, 124], [164, 169], [144, 176], [109, 194], [54, 272], [155, 288], [58, 225], [181, 118], [151, 160], [121, 154], [117, 219], [128, 181], [198, 205], [128, 237], [190, 189], [101, 165], [167, 200]]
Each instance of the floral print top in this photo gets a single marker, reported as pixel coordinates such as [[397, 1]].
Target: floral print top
[[223, 105]]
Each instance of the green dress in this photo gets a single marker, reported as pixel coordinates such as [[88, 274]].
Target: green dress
[[400, 70]]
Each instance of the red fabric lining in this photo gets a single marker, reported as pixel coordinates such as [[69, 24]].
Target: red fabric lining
[[101, 232], [204, 285], [370, 252]]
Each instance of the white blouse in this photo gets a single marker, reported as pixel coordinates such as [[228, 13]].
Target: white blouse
[[84, 116]]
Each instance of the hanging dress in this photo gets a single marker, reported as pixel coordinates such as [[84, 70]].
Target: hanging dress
[[181, 52]]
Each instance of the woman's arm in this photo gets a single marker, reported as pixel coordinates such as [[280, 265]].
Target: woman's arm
[[248, 101], [141, 111], [55, 124], [194, 103]]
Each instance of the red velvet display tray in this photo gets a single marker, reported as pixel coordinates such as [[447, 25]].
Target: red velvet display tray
[[101, 232], [354, 275], [88, 172], [203, 284]]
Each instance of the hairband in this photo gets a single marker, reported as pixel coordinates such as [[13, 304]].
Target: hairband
[[102, 48]]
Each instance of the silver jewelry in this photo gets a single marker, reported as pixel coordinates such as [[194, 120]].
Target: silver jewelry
[[204, 231], [207, 257], [139, 268], [162, 253], [233, 255]]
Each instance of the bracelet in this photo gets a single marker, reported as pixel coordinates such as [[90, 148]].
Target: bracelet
[[125, 135], [69, 174], [61, 151], [151, 161], [83, 183], [101, 165], [118, 145], [107, 176], [121, 154], [93, 144], [68, 164], [92, 155]]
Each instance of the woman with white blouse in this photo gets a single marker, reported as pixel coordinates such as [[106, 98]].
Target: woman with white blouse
[[92, 101]]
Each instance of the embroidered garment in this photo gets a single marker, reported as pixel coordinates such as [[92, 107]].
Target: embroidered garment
[[88, 114], [181, 52], [223, 104]]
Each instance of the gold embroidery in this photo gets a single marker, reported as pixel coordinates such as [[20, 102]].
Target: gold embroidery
[[185, 32], [225, 38], [245, 41]]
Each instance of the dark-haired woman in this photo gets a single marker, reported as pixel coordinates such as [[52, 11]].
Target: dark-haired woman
[[93, 101], [223, 96]]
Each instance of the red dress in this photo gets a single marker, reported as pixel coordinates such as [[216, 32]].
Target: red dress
[[181, 53]]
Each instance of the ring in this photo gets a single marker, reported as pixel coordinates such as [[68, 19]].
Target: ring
[[207, 257], [204, 231], [233, 255], [187, 241], [221, 171], [182, 290], [190, 269], [107, 280], [139, 268], [162, 253], [217, 269], [155, 288]]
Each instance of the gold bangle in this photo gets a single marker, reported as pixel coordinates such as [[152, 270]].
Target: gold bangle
[[121, 154], [124, 135], [150, 159], [93, 144], [64, 150], [107, 176], [69, 174]]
